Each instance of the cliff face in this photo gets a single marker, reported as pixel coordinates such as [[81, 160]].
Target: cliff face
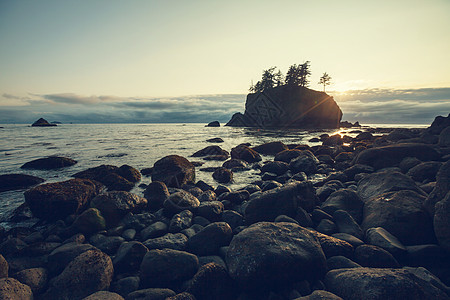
[[295, 107]]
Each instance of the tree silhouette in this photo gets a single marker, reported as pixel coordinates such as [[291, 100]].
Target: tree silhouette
[[325, 80], [298, 75], [269, 80]]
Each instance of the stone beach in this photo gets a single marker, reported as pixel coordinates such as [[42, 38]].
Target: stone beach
[[364, 217]]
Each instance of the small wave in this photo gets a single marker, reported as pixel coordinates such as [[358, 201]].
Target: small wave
[[113, 155]]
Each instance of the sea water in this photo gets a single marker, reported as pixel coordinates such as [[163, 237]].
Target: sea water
[[138, 145]]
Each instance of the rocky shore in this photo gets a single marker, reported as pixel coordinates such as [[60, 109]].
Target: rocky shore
[[364, 217]]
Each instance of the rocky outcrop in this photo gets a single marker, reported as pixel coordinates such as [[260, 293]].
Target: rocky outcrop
[[42, 123], [174, 171], [10, 182], [48, 163], [213, 124], [285, 106]]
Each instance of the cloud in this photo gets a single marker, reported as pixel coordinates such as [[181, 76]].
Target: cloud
[[70, 98]]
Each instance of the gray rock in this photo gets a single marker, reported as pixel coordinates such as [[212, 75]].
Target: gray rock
[[374, 257], [208, 240], [174, 171], [181, 221], [180, 201], [425, 171], [129, 257], [107, 244], [344, 199], [441, 189], [378, 236], [176, 241], [126, 285], [211, 210], [332, 246], [441, 222], [305, 162], [11, 288], [59, 258], [275, 167], [156, 193], [155, 230], [346, 224]]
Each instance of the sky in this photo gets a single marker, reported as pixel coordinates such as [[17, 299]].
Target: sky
[[193, 61]]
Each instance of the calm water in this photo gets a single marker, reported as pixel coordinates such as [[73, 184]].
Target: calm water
[[138, 145]]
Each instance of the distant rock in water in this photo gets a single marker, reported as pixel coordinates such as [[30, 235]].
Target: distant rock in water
[[213, 124], [286, 106], [48, 163], [347, 124], [42, 123], [9, 182]]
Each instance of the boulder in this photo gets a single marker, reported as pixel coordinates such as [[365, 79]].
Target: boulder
[[209, 151], [378, 236], [213, 124], [129, 257], [156, 193], [223, 175], [392, 155], [151, 294], [215, 140], [320, 295], [53, 201], [341, 262], [35, 278], [167, 267], [111, 176], [425, 171], [179, 201], [174, 171], [155, 230], [115, 205], [211, 210], [181, 221], [129, 173], [59, 258], [212, 282], [104, 295], [11, 288], [305, 162], [402, 214], [439, 124], [375, 184], [267, 255], [237, 164], [88, 273], [380, 284], [3, 267], [287, 155], [107, 244], [332, 246], [176, 241], [374, 257], [444, 137], [245, 153], [208, 240], [275, 167], [42, 123], [346, 224], [344, 199], [10, 182], [271, 148], [289, 106], [441, 222], [90, 221], [49, 163], [441, 189]]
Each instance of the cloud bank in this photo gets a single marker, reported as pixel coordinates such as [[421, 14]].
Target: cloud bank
[[412, 106]]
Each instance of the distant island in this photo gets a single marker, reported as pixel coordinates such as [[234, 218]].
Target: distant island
[[278, 101]]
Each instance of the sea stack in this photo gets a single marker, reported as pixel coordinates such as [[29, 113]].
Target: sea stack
[[42, 123], [288, 107]]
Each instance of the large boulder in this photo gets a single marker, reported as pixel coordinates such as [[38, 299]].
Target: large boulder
[[212, 281], [245, 153], [129, 257], [344, 199], [271, 148], [89, 221], [375, 184], [444, 137], [48, 163], [11, 288], [53, 201], [392, 155], [114, 178], [425, 171], [3, 267], [60, 257], [156, 193], [268, 255], [35, 278], [439, 124], [179, 201], [289, 106], [115, 205], [380, 284], [283, 200], [42, 123], [441, 189], [402, 214], [208, 240], [174, 171], [10, 182], [442, 222], [209, 151], [88, 273], [305, 162]]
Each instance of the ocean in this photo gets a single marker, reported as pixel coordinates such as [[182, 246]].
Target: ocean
[[138, 145]]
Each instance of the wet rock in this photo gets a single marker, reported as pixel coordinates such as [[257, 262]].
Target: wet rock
[[326, 227], [107, 244], [232, 218], [53, 201], [346, 224], [3, 267], [223, 175], [357, 169], [211, 210], [271, 148], [48, 163], [344, 199], [174, 171], [176, 241], [88, 273], [153, 294], [164, 268], [90, 221], [11, 288], [378, 183], [156, 193], [441, 189], [211, 151], [374, 257], [206, 196], [107, 175], [180, 201], [10, 182], [402, 214], [129, 257], [115, 205], [104, 295], [354, 241], [341, 262], [333, 140], [305, 162], [425, 171], [129, 173], [245, 153], [441, 222], [35, 278], [155, 230], [212, 282], [328, 188], [126, 285], [380, 237], [287, 155], [379, 284], [181, 221], [208, 240], [215, 140], [59, 258], [213, 124], [237, 164], [267, 255], [275, 167], [332, 246]]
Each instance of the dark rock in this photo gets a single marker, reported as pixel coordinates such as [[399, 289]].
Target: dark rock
[[129, 257], [326, 227], [115, 205], [441, 222], [212, 282], [181, 221], [126, 285], [222, 189], [318, 215], [332, 246], [305, 162], [444, 137], [174, 171], [35, 278], [303, 218], [176, 241], [107, 244], [11, 288], [208, 240], [288, 155], [42, 123], [48, 163], [107, 175], [267, 255], [223, 175], [379, 284], [288, 106], [104, 295], [341, 262], [346, 224], [275, 167], [374, 257], [402, 214], [12, 246], [156, 193], [155, 230], [182, 296], [3, 267], [407, 163], [210, 151], [283, 218], [211, 210], [439, 124], [213, 124], [380, 237], [129, 173], [206, 196], [63, 255], [392, 155], [138, 221], [354, 241], [333, 140], [151, 294], [53, 201], [129, 234], [90, 221], [180, 201], [245, 153], [10, 182], [215, 140], [270, 185], [164, 268], [344, 199], [373, 185], [271, 148], [235, 164], [441, 189], [232, 218], [88, 273], [357, 169], [425, 171]]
